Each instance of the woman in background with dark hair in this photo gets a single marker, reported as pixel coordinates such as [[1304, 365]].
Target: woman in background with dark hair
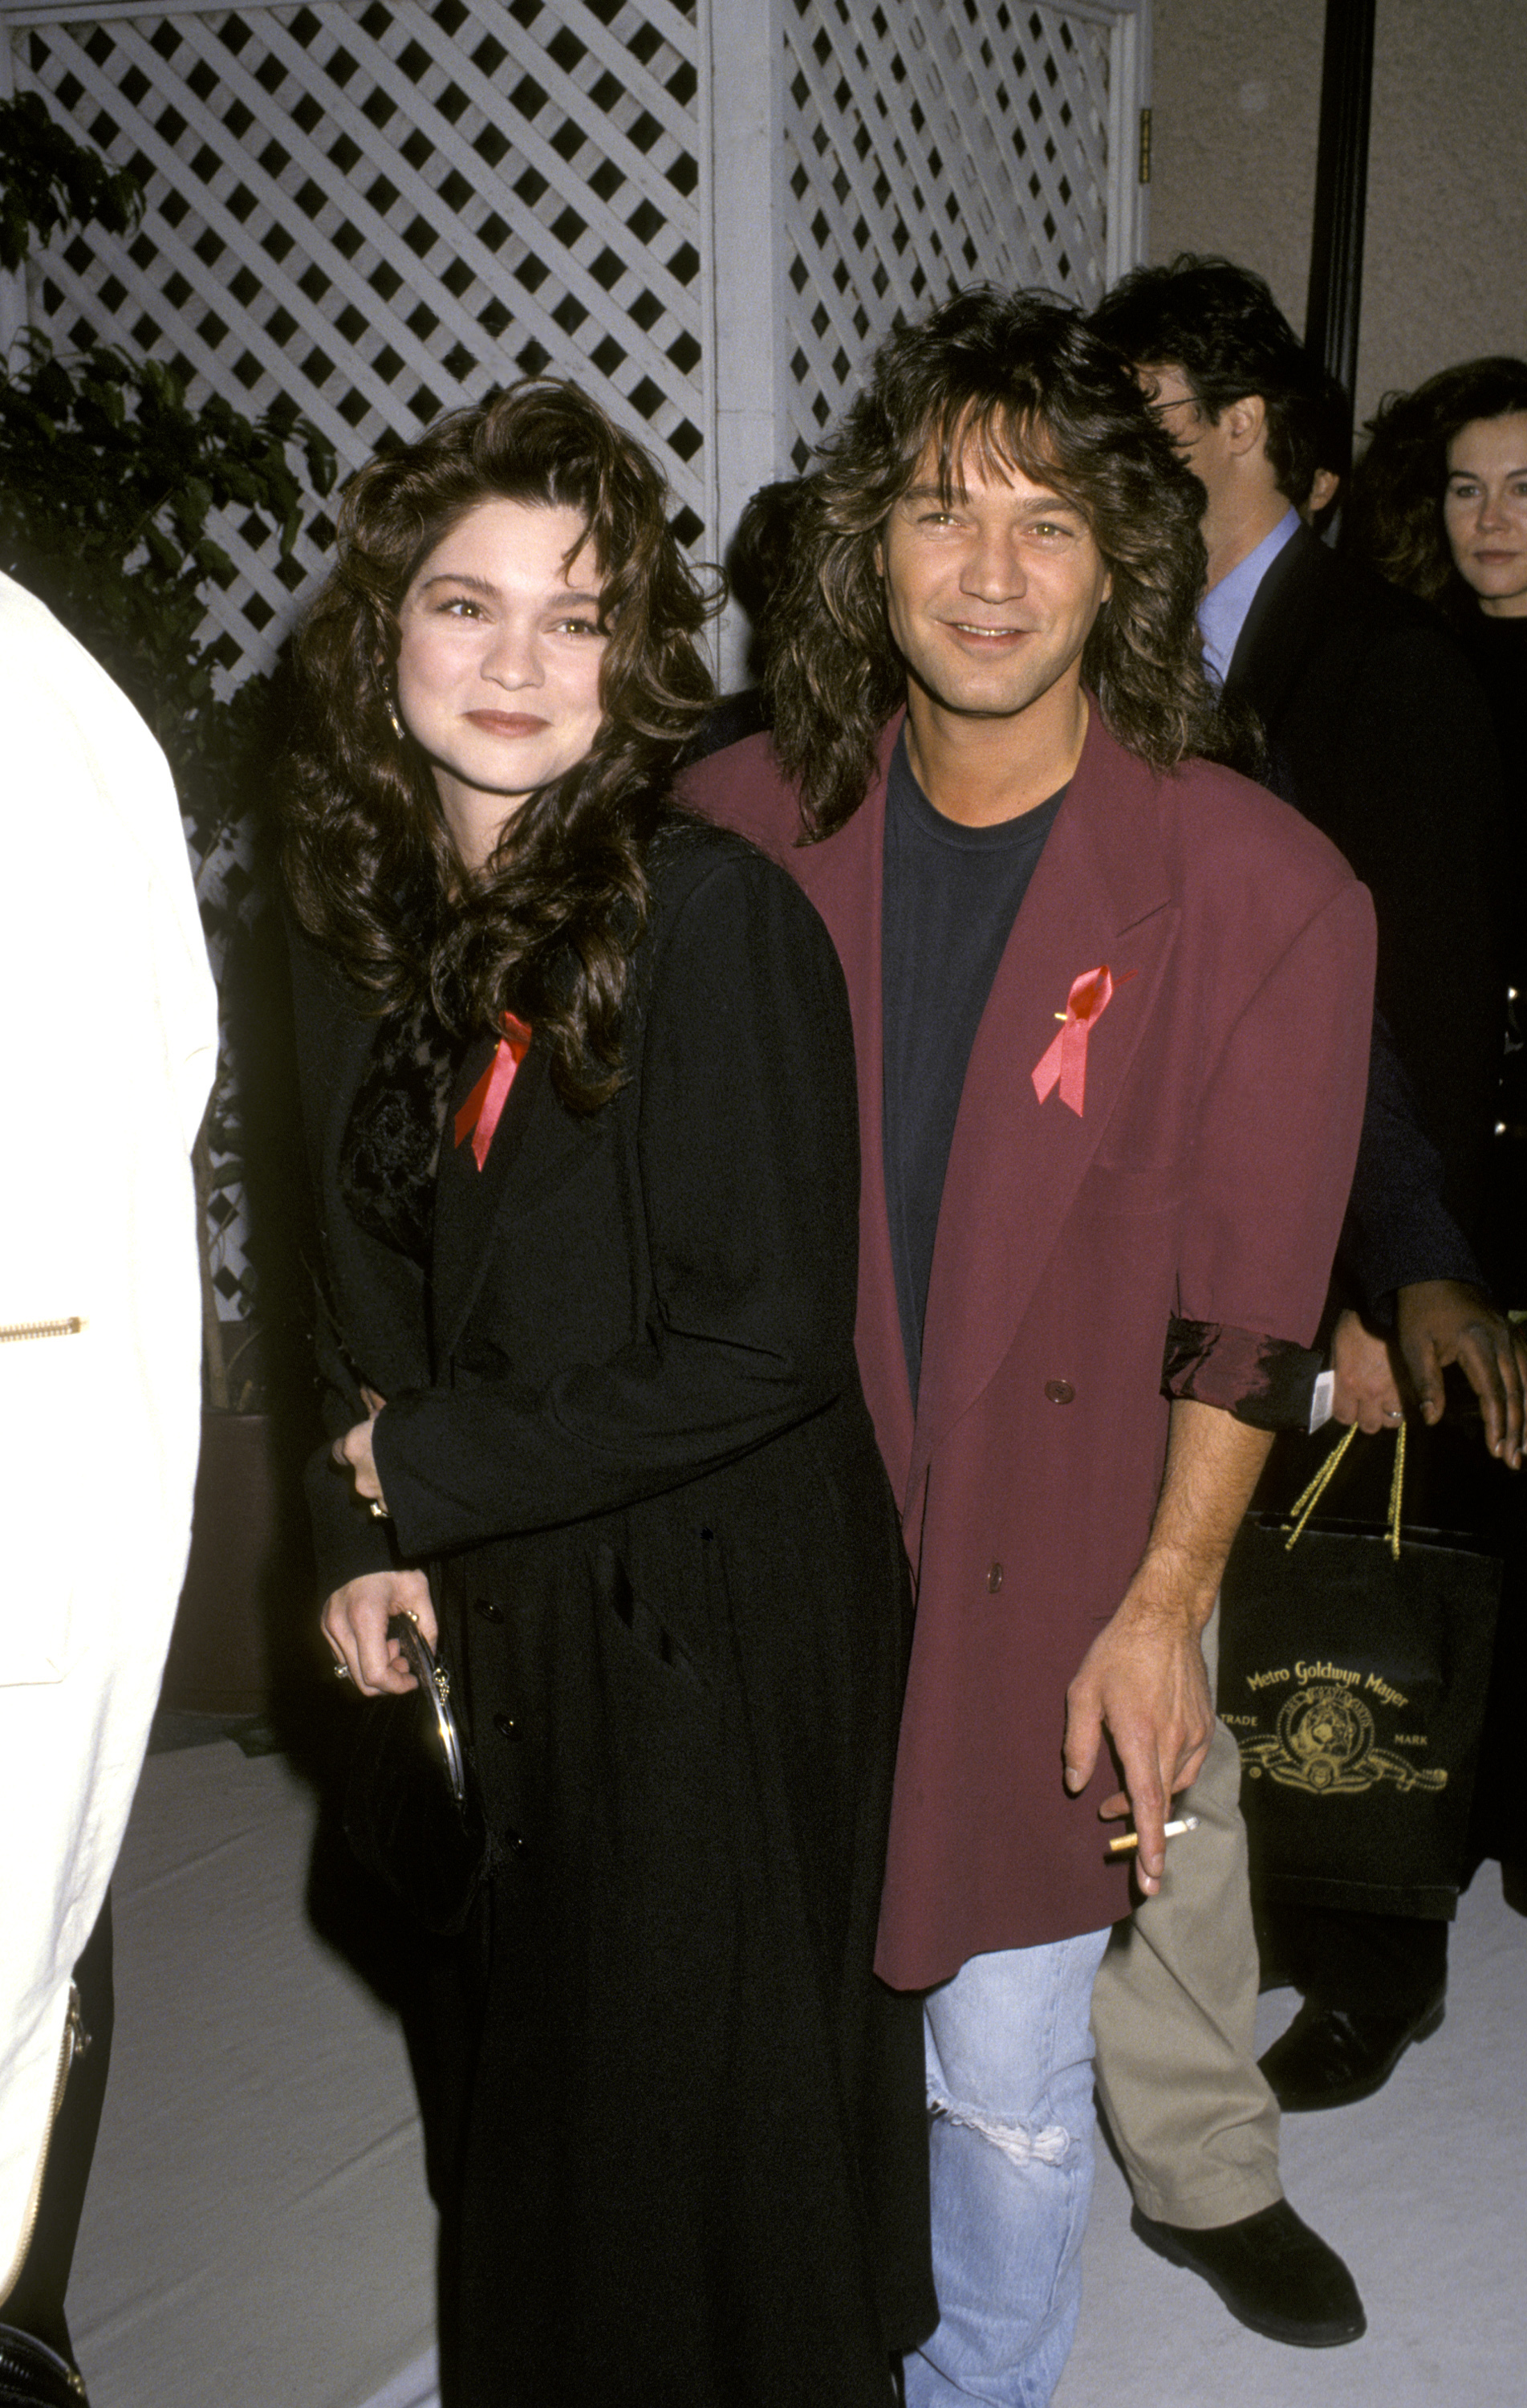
[[1404, 516], [1439, 506], [579, 1092]]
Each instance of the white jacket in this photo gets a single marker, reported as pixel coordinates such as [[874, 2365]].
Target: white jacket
[[109, 1020]]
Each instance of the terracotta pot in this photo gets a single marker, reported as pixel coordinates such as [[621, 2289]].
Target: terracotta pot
[[250, 1576]]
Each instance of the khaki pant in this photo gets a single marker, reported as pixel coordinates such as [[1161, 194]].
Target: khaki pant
[[1174, 2018]]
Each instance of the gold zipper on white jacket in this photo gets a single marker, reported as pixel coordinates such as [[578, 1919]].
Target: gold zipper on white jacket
[[70, 1328], [74, 2043]]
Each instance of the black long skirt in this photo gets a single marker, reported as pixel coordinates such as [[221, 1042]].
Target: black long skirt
[[686, 2159]]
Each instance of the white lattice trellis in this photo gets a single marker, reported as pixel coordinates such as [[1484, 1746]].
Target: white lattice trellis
[[925, 149]]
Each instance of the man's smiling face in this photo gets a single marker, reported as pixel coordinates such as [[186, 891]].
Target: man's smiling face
[[992, 588]]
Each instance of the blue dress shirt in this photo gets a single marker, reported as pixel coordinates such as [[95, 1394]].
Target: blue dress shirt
[[1222, 611]]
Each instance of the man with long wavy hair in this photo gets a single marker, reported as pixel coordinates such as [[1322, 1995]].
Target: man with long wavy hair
[[1111, 1008]]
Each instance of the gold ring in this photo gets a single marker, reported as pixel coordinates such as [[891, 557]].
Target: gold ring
[[341, 1672], [378, 1511]]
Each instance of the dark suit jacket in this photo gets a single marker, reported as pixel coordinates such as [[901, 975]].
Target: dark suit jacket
[[625, 1423], [1379, 733], [1204, 1178]]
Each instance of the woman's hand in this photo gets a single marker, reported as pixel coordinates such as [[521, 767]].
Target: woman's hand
[[353, 1453], [355, 1620]]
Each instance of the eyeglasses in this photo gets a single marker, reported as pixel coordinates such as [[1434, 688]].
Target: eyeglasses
[[1183, 401]]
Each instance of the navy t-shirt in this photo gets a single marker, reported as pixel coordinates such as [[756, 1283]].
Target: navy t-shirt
[[951, 896]]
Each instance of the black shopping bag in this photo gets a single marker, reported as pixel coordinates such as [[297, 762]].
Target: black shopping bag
[[1353, 1668]]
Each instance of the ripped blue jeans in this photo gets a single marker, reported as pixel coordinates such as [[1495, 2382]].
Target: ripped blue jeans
[[1009, 2056]]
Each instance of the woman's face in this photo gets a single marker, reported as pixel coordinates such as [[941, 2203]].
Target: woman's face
[[498, 665], [1484, 511]]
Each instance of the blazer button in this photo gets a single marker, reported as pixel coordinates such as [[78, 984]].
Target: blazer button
[[506, 1727], [1060, 1391], [489, 1611], [993, 1578]]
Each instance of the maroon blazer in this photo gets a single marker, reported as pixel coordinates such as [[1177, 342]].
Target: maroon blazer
[[1204, 1178]]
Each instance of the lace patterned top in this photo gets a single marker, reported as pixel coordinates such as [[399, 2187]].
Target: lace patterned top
[[390, 1153]]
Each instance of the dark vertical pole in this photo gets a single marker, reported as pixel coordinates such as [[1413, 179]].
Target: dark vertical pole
[[1341, 187]]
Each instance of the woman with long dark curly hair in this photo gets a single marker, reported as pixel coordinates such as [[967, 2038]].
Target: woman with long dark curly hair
[[579, 1086]]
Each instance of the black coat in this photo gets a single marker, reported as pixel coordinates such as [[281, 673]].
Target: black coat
[[1379, 733], [624, 1427], [1498, 649]]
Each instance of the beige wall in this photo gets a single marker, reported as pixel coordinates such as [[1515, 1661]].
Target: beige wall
[[1235, 102]]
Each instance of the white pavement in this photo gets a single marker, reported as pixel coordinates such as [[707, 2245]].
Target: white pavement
[[258, 2235]]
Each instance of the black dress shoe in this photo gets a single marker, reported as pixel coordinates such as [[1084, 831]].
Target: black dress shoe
[[1271, 2271], [1331, 2057]]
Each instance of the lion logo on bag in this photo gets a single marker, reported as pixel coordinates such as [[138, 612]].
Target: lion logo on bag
[[1324, 1744]]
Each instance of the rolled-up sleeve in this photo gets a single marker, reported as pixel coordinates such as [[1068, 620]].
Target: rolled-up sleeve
[[1267, 1382], [1277, 1139]]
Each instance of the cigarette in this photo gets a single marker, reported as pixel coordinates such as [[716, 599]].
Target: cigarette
[[1129, 1841]]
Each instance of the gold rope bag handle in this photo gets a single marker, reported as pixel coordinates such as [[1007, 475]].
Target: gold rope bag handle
[[1305, 1503]]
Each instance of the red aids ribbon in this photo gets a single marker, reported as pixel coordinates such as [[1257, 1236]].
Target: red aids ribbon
[[1066, 1059], [479, 1116]]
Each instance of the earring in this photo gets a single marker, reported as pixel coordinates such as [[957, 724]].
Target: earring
[[398, 728]]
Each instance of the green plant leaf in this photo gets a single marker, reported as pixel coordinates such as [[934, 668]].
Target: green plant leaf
[[194, 502]]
